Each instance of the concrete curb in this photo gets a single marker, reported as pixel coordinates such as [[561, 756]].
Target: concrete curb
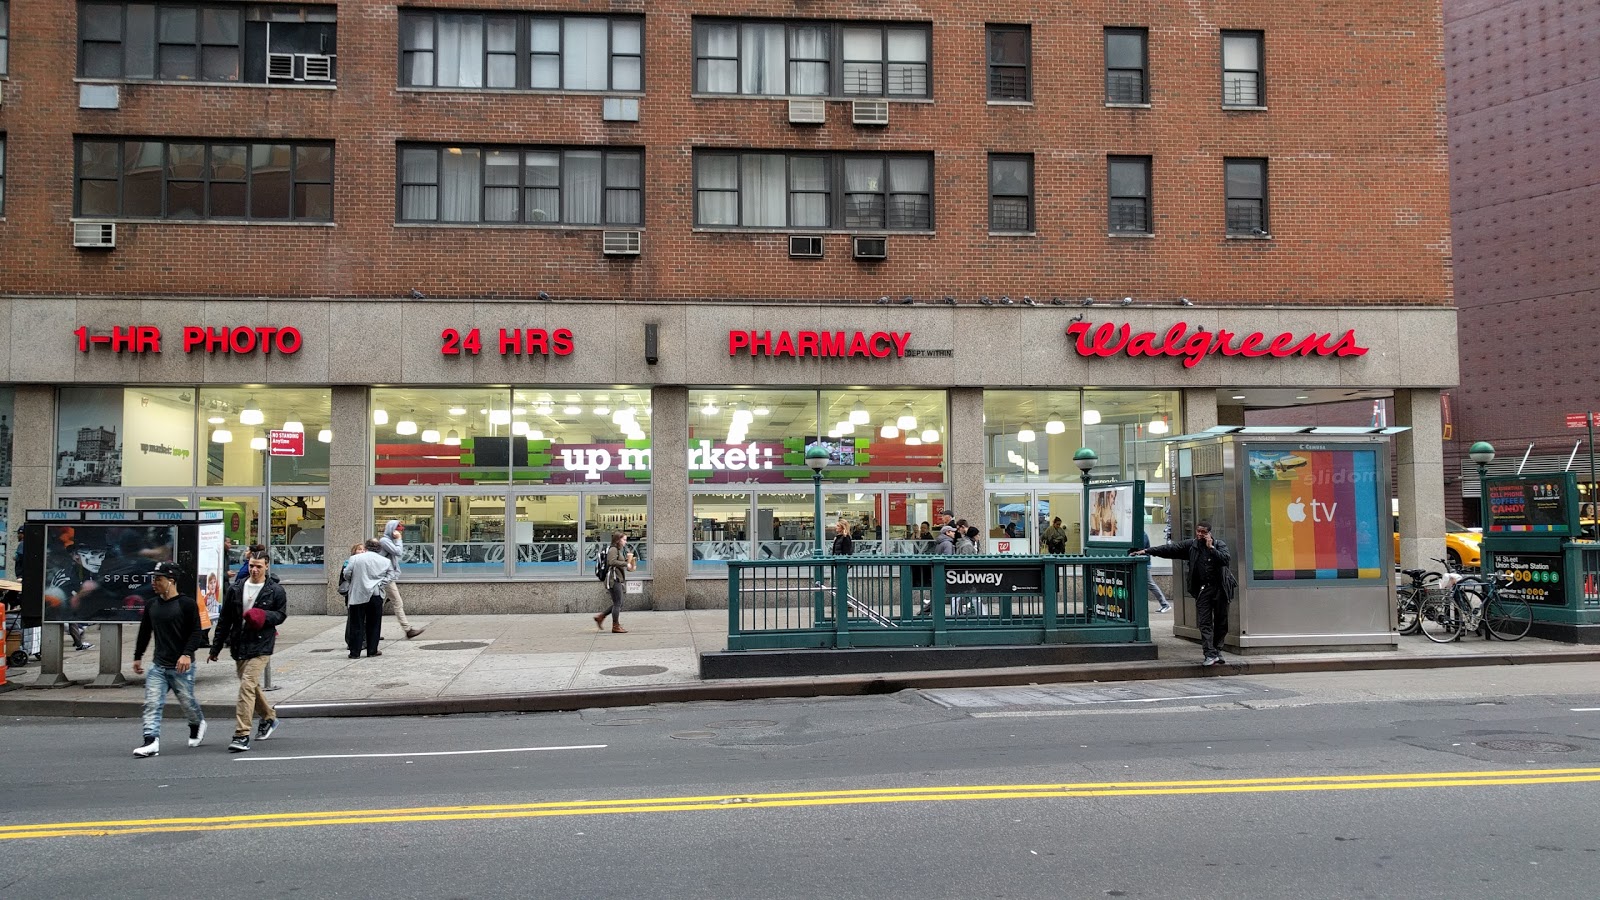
[[817, 686]]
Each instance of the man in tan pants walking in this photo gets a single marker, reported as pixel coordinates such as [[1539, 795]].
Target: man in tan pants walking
[[393, 548], [251, 614]]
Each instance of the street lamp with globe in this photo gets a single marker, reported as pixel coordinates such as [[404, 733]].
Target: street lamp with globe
[[1085, 459], [817, 460], [1482, 453]]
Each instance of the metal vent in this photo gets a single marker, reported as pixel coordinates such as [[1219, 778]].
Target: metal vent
[[870, 248], [317, 66], [808, 246], [807, 112], [869, 112], [94, 235], [280, 66], [299, 67], [620, 243]]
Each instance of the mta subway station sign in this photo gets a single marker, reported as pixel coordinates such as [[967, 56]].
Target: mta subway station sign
[[992, 579]]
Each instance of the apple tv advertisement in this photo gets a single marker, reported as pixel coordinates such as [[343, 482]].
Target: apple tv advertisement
[[1314, 514]]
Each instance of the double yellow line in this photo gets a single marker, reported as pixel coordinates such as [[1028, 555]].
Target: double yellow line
[[1393, 781]]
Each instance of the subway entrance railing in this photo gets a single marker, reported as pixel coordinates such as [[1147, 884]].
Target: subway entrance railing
[[930, 601]]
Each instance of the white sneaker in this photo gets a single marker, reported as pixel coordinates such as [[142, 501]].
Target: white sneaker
[[197, 733], [151, 747]]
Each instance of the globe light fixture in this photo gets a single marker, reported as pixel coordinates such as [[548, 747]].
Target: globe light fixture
[[859, 414], [452, 438], [294, 425], [325, 435], [930, 436], [1025, 434], [1054, 425], [907, 421], [1091, 417], [430, 436], [258, 443], [251, 414], [406, 427], [380, 417], [221, 436], [890, 430]]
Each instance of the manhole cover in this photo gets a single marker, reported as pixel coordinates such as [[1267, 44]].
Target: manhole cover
[[325, 650], [643, 720], [692, 735], [1527, 746], [742, 723], [634, 670], [384, 686], [455, 645]]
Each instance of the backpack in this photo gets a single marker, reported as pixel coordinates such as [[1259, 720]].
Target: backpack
[[600, 565]]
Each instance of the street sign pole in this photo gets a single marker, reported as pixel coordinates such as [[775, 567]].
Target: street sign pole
[[1594, 509]]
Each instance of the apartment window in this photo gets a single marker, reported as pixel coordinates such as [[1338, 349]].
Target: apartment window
[[1246, 188], [188, 180], [509, 51], [514, 185], [1010, 193], [814, 190], [256, 44], [1128, 194], [1010, 61], [811, 59], [1242, 75], [1127, 65], [5, 36]]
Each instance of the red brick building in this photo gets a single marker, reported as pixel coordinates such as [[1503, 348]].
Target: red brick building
[[378, 176]]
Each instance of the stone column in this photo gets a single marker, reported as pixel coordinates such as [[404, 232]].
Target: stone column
[[669, 497], [1419, 464], [349, 513], [1199, 410], [966, 457], [32, 451]]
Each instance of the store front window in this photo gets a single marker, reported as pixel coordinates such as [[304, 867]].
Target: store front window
[[206, 448], [8, 417], [567, 467]]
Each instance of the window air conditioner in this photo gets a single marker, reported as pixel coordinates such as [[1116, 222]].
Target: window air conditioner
[[317, 66], [807, 246], [807, 112], [280, 66], [94, 235], [870, 247], [869, 112], [620, 243]]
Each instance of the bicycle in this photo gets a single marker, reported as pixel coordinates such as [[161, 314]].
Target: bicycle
[[1477, 607], [1409, 598]]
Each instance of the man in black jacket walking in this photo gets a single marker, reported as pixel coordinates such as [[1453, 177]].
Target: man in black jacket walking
[[251, 614], [1210, 582], [173, 619]]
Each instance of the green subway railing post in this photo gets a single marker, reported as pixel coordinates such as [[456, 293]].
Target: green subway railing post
[[941, 636], [1052, 584], [735, 640], [841, 605]]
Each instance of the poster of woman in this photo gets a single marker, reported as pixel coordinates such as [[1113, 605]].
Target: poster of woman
[[1111, 512]]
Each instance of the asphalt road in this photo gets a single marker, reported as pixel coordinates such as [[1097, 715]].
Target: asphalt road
[[1443, 783]]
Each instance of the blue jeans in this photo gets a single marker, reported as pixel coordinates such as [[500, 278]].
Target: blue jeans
[[157, 679]]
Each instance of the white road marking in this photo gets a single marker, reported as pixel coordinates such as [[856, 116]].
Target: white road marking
[[422, 753], [1587, 709]]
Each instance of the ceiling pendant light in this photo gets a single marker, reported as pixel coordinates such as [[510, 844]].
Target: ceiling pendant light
[[535, 434], [845, 426], [216, 420], [380, 417], [907, 421], [889, 430], [1054, 425], [325, 435], [251, 414], [913, 441], [710, 407], [859, 414], [294, 425], [221, 436], [1158, 425], [930, 436], [761, 410], [430, 436], [258, 443], [1091, 417], [602, 407], [572, 409], [458, 411], [405, 426], [519, 428], [1025, 434], [452, 438]]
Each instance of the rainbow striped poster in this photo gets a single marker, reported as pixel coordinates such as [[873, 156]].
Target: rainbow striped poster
[[1314, 514]]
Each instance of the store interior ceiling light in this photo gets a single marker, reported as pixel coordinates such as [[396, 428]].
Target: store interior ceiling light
[[221, 436], [846, 427], [535, 434], [760, 410], [452, 438], [930, 436], [572, 410], [258, 443], [889, 430], [405, 426], [430, 436], [1158, 426], [325, 435], [499, 417], [251, 414], [1025, 434], [710, 407], [294, 425], [519, 427], [380, 417], [907, 421], [458, 411], [834, 433], [1091, 417], [859, 414], [519, 411], [913, 441], [1054, 425], [543, 409], [215, 420], [1238, 396]]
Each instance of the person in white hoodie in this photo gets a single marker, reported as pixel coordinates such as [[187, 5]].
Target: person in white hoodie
[[393, 548]]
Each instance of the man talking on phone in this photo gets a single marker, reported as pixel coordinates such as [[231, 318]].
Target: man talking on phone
[[1210, 582]]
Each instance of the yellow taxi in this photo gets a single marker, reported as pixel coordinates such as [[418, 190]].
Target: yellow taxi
[[1460, 543]]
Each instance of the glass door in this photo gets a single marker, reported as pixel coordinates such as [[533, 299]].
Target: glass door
[[1012, 526]]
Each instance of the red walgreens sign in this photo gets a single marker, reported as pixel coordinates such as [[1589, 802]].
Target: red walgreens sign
[[286, 443], [1581, 420]]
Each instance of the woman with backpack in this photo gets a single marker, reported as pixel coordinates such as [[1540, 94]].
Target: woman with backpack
[[618, 562]]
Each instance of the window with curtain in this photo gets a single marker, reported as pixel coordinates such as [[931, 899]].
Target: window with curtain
[[811, 58], [204, 42], [1010, 58], [1010, 193], [191, 180], [522, 186], [506, 51], [776, 190]]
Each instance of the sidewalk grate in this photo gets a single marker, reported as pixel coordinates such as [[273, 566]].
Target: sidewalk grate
[[633, 670], [455, 645], [1516, 746]]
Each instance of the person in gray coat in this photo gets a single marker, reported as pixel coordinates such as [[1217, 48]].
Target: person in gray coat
[[393, 548], [367, 573]]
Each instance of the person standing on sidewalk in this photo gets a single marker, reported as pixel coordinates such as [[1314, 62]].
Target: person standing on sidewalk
[[619, 562], [1210, 582], [251, 614], [393, 547], [368, 572], [844, 543], [173, 620]]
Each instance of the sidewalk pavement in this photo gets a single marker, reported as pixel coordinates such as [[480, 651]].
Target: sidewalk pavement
[[526, 663]]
